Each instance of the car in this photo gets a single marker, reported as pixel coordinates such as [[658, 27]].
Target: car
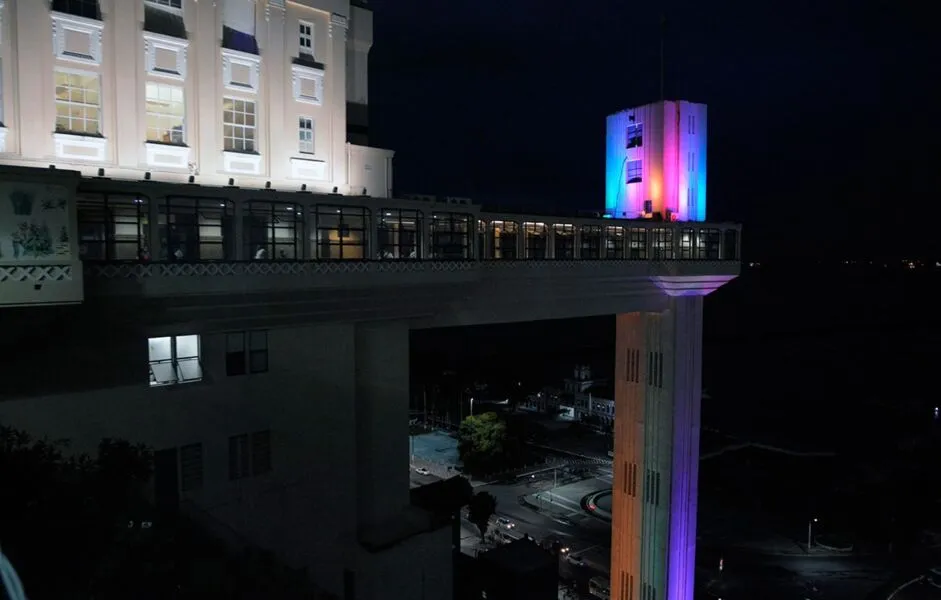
[[578, 561], [505, 523], [422, 471]]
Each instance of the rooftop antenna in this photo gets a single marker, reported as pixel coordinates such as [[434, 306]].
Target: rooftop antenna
[[663, 35]]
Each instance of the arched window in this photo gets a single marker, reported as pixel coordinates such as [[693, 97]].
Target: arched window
[[341, 233], [195, 229], [399, 234], [113, 227], [272, 230]]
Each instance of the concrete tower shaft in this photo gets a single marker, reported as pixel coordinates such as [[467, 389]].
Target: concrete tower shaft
[[656, 451]]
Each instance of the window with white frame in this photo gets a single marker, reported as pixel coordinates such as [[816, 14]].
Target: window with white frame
[[168, 3], [308, 84], [305, 135], [166, 112], [305, 38], [174, 359], [238, 125], [78, 103]]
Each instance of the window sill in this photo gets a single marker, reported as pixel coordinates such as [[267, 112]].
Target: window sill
[[246, 163], [160, 154], [80, 146], [303, 167]]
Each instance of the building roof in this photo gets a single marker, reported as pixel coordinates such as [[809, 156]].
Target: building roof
[[522, 556]]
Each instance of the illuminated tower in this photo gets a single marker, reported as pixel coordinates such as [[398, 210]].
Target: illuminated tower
[[656, 169], [655, 162]]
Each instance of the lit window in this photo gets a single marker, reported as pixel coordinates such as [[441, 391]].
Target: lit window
[[78, 103], [635, 171], [635, 135], [305, 38], [340, 233], [238, 121], [165, 113], [174, 359], [305, 134]]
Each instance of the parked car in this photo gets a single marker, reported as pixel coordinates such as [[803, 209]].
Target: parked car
[[422, 471]]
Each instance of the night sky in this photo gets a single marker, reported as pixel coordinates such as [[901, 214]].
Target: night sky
[[823, 121]]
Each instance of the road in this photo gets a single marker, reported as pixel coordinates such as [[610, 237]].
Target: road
[[746, 572]]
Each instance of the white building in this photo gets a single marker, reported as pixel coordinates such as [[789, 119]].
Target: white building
[[158, 289], [255, 92]]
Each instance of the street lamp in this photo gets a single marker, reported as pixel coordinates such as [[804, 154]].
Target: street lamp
[[810, 533], [472, 406]]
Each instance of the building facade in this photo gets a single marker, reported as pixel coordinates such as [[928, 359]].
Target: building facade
[[655, 162], [251, 93], [179, 269]]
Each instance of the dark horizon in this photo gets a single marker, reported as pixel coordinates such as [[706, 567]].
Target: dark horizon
[[809, 110]]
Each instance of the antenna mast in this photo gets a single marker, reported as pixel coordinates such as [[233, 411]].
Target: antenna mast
[[663, 35]]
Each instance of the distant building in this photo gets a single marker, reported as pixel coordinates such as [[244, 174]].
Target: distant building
[[520, 570]]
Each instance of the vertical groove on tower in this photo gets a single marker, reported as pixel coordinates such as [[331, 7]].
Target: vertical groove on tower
[[687, 398], [656, 452]]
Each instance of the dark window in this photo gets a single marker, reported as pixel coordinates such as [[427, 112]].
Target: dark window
[[399, 234], [191, 467], [729, 244], [638, 243], [614, 242], [261, 452], [249, 454], [239, 457], [709, 242], [194, 229], [110, 227], [239, 41], [246, 352], [687, 243], [635, 135], [79, 8], [535, 241], [235, 353], [591, 242], [505, 240], [450, 236], [564, 241], [635, 171], [166, 22], [258, 351], [662, 243], [272, 230], [341, 233]]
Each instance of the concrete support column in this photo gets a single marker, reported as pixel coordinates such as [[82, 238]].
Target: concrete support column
[[382, 373], [658, 383]]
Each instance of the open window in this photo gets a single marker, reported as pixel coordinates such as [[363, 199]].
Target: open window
[[174, 360]]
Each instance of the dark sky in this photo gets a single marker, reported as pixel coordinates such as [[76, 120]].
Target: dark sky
[[823, 116]]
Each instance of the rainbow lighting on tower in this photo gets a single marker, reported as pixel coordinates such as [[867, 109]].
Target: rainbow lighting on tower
[[655, 162]]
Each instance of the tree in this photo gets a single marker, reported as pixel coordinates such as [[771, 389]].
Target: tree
[[482, 506], [481, 441]]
